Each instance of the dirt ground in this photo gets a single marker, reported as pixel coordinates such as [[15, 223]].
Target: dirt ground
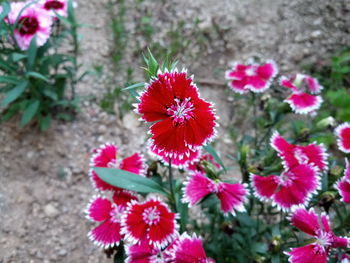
[[44, 186]]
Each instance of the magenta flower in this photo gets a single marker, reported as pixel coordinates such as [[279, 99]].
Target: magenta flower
[[301, 101], [32, 21], [150, 221], [144, 253], [106, 156], [343, 185], [196, 165], [182, 121], [343, 134], [293, 187], [108, 214], [59, 6], [317, 227], [293, 155], [231, 196], [255, 78], [187, 249]]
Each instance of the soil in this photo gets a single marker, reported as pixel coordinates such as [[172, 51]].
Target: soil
[[44, 186]]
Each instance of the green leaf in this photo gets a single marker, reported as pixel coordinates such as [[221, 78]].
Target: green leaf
[[129, 181], [6, 8], [31, 53], [29, 112], [71, 15], [14, 93], [135, 86], [44, 122], [37, 76], [51, 94], [9, 79], [213, 153], [18, 56]]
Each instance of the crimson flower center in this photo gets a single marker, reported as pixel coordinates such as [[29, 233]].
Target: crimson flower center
[[300, 156], [323, 238], [151, 216], [53, 5], [285, 179], [28, 25], [251, 71], [181, 111], [116, 214]]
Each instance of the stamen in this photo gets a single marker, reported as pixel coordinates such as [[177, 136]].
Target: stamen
[[181, 110], [151, 216]]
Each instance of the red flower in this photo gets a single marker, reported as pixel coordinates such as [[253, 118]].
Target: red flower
[[302, 102], [343, 185], [187, 249], [144, 253], [109, 215], [150, 221], [231, 196], [255, 78], [294, 155], [106, 156], [317, 227], [293, 187], [182, 120], [343, 134]]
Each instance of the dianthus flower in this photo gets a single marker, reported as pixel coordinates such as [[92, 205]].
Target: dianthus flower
[[106, 156], [144, 253], [58, 6], [343, 185], [293, 155], [182, 121], [301, 101], [197, 165], [33, 21], [231, 196], [150, 221], [187, 249], [343, 134], [317, 227], [293, 187], [255, 78], [109, 215]]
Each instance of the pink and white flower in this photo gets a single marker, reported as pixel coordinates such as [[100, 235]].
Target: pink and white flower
[[316, 226], [293, 187], [343, 185], [33, 21], [144, 253], [343, 134], [182, 121], [187, 249], [58, 6], [293, 155], [106, 156], [300, 100], [231, 196], [255, 78], [108, 214], [150, 221]]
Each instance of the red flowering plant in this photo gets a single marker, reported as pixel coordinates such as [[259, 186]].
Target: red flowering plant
[[187, 207], [36, 73]]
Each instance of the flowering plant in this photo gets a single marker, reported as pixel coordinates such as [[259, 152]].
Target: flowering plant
[[35, 71], [143, 207]]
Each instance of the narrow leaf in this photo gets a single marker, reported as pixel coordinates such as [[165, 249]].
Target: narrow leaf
[[129, 181], [18, 56], [213, 153], [135, 86], [9, 79], [37, 76], [31, 53], [6, 8], [29, 112], [14, 93]]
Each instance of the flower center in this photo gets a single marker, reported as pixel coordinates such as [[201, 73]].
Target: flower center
[[112, 164], [300, 156], [250, 71], [116, 214], [151, 216], [181, 111], [323, 239], [285, 179], [53, 4], [28, 25]]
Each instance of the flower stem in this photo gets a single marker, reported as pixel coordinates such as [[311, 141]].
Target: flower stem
[[255, 120], [172, 193]]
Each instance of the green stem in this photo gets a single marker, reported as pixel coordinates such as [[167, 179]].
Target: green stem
[[254, 120], [171, 186]]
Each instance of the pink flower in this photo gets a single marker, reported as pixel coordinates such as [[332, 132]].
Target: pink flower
[[150, 221], [187, 249], [343, 134], [197, 164], [108, 214], [294, 155], [106, 156], [231, 196], [255, 78], [343, 185], [177, 161], [345, 258], [302, 102], [293, 187], [59, 6], [33, 21], [144, 253], [317, 227], [182, 121]]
